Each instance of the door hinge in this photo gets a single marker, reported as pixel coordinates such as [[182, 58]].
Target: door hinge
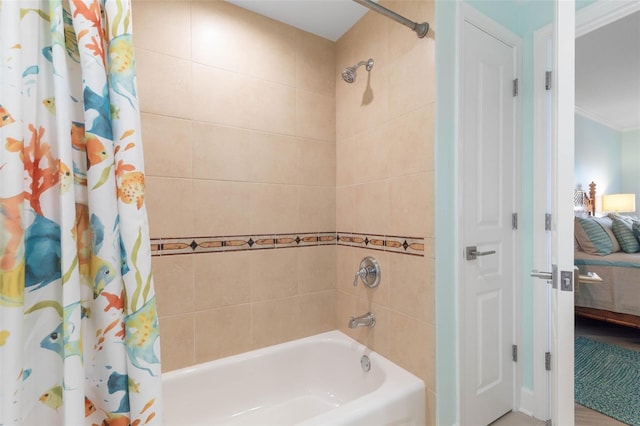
[[547, 361], [514, 221], [547, 222], [547, 80], [515, 87], [514, 353]]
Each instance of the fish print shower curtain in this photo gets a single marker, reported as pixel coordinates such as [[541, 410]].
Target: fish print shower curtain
[[79, 340]]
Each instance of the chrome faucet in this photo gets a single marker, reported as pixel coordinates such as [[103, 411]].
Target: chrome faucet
[[366, 320], [369, 272]]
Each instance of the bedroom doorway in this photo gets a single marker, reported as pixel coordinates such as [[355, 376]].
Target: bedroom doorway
[[606, 34], [489, 156], [587, 19]]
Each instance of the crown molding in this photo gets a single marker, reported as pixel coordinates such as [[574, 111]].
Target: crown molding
[[596, 118], [601, 13]]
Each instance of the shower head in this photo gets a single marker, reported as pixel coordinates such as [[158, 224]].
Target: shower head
[[349, 73]]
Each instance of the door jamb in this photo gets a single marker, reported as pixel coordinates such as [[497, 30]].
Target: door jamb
[[475, 17]]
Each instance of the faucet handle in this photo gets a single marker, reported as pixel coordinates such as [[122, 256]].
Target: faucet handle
[[369, 272], [361, 273]]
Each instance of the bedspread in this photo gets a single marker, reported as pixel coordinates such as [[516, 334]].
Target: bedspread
[[620, 289]]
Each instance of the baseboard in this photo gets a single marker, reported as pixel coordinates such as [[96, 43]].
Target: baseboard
[[527, 402]]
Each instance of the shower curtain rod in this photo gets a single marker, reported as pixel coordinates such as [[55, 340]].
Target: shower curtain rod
[[420, 29]]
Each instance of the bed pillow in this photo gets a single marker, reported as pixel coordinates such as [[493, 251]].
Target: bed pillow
[[607, 225], [636, 229], [592, 237], [627, 218], [624, 233]]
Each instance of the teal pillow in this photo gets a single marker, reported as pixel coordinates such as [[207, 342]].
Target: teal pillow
[[607, 225], [623, 231], [636, 229], [592, 237]]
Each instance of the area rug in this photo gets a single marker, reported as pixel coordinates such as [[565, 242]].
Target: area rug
[[607, 379]]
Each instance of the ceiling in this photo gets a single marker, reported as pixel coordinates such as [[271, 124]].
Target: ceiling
[[608, 74], [327, 18], [607, 59]]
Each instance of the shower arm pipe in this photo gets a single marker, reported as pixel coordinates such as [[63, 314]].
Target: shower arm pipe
[[420, 29]]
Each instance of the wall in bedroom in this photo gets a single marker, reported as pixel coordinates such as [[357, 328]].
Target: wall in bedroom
[[629, 164], [598, 154]]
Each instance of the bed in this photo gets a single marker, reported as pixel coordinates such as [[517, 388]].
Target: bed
[[617, 297]]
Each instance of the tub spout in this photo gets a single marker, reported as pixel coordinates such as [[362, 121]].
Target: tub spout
[[366, 320]]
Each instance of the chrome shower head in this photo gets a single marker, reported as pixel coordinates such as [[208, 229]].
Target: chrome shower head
[[349, 73]]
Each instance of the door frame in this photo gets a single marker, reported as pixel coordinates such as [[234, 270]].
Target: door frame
[[587, 19], [469, 14]]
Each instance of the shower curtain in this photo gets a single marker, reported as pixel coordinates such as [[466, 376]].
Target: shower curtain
[[79, 340]]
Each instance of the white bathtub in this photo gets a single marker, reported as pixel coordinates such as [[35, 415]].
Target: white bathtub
[[317, 380]]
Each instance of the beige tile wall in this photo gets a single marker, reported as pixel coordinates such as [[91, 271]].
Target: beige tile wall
[[385, 181], [238, 120], [248, 128]]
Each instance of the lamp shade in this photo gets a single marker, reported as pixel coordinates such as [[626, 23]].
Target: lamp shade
[[619, 203]]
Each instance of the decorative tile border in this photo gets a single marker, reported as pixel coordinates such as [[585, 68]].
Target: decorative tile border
[[224, 243], [190, 245], [395, 244]]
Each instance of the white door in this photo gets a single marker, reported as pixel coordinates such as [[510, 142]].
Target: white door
[[562, 320], [488, 136], [542, 212], [554, 112]]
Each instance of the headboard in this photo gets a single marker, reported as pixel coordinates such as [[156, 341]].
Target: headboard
[[586, 201]]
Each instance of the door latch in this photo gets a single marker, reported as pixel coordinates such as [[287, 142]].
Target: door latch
[[471, 253], [544, 275], [566, 278], [548, 276]]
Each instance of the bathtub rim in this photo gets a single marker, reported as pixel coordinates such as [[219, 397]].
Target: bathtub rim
[[327, 336], [399, 384]]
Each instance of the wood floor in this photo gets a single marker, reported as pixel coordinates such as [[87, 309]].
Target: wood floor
[[609, 333], [517, 419], [583, 417], [626, 337]]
